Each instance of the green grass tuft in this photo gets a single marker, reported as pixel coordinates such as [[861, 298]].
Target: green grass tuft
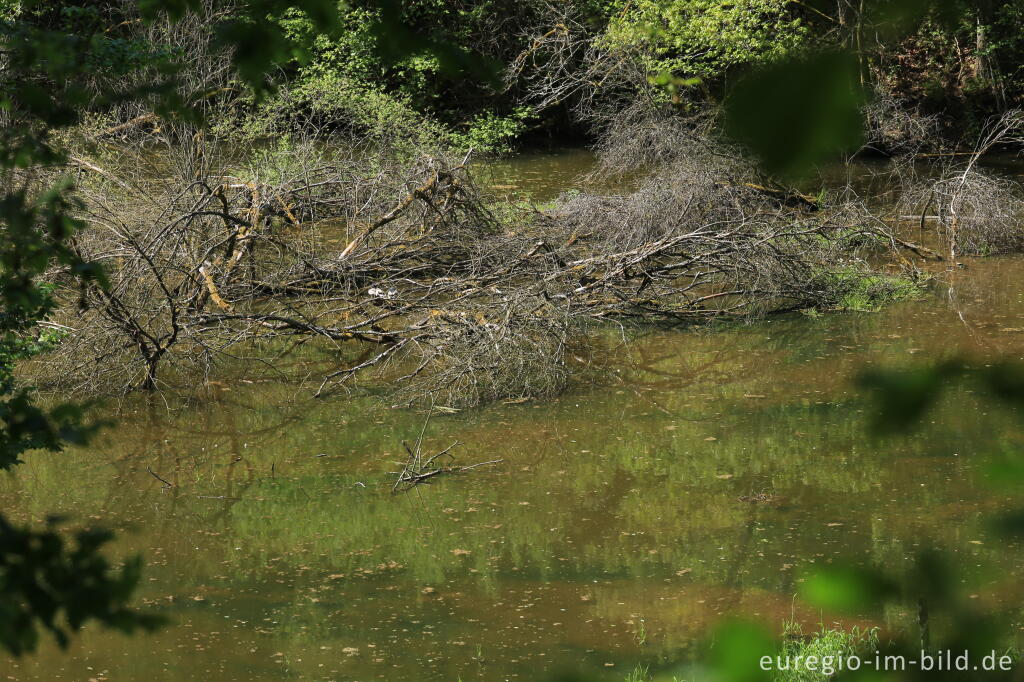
[[850, 288], [826, 644]]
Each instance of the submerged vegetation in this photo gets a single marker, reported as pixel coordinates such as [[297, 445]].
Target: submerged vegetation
[[852, 290]]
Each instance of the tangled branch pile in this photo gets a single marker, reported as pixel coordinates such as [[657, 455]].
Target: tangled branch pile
[[409, 270], [975, 212]]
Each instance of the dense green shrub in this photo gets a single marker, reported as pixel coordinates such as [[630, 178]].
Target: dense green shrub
[[706, 38]]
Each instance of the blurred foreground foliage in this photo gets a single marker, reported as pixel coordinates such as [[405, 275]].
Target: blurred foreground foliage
[[932, 587], [50, 584], [60, 60], [62, 57]]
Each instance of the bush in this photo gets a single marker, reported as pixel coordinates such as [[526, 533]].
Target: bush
[[977, 213], [705, 38], [490, 133]]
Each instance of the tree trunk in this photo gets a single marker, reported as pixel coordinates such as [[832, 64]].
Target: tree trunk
[[980, 46]]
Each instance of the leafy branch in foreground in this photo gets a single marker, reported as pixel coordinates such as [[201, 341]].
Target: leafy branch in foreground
[[932, 586], [60, 61], [49, 584]]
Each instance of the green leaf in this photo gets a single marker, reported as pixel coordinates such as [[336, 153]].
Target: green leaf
[[796, 114], [737, 651], [903, 396], [846, 588], [324, 13]]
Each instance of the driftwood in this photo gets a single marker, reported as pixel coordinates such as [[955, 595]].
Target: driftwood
[[420, 468], [128, 125], [165, 484], [411, 272]]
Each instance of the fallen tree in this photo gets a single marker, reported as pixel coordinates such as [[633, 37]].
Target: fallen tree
[[409, 271]]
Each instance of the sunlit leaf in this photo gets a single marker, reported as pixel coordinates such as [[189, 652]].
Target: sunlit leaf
[[324, 13]]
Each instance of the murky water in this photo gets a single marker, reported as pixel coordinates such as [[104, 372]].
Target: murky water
[[534, 176], [699, 480]]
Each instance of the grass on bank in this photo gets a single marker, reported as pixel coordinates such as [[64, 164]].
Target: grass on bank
[[828, 643], [851, 289]]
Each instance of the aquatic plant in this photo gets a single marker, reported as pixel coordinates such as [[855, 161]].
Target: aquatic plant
[[828, 643], [638, 674], [855, 288]]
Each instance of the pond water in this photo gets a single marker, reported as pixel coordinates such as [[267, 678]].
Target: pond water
[[702, 476], [539, 176]]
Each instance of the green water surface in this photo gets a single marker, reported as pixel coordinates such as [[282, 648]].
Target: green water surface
[[701, 476]]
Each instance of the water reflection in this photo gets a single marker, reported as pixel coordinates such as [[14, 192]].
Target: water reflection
[[703, 474]]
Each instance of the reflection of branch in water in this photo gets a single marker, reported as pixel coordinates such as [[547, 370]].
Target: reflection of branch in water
[[971, 331], [742, 552], [684, 373], [679, 366], [165, 482], [687, 372]]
